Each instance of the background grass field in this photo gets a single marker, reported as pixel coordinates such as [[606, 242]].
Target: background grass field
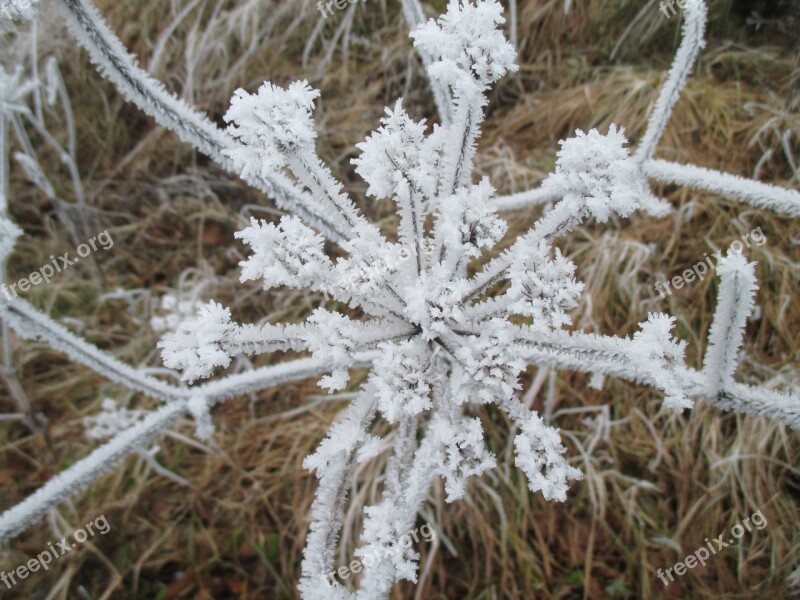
[[655, 484]]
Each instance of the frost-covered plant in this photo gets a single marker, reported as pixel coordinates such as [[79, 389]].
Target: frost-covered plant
[[439, 341]]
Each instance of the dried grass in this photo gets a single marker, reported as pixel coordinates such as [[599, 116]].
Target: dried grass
[[654, 482]]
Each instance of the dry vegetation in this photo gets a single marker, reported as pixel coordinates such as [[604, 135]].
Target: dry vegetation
[[654, 482]]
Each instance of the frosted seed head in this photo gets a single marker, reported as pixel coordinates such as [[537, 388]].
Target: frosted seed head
[[540, 455], [195, 347], [289, 253], [393, 156], [468, 222], [543, 287], [598, 172], [470, 51], [271, 124]]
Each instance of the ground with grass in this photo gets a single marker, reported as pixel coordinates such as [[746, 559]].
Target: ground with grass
[[655, 484]]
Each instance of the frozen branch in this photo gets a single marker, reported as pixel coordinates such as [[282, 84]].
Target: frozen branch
[[695, 15], [79, 476], [113, 61], [734, 304], [31, 324], [412, 11], [761, 195]]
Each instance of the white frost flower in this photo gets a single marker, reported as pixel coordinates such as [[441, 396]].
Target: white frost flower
[[289, 254], [402, 380], [271, 124], [439, 328], [655, 351], [437, 342], [544, 288], [195, 347], [467, 44], [457, 452], [598, 170], [396, 160], [540, 455]]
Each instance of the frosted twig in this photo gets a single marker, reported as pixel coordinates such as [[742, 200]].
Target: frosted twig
[[412, 11], [695, 15], [734, 305], [761, 195], [113, 61], [76, 478]]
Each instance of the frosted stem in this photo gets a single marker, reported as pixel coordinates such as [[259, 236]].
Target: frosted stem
[[695, 15], [79, 476], [29, 323], [412, 11], [76, 478], [5, 184], [460, 147], [533, 197], [760, 195], [408, 481], [734, 304], [112, 60], [327, 511]]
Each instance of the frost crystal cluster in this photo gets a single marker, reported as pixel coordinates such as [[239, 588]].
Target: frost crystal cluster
[[445, 322]]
